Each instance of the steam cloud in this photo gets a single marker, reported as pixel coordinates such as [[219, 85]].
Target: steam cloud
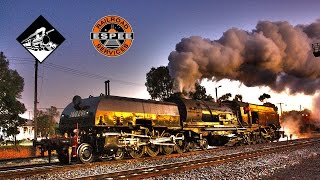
[[316, 111], [274, 54]]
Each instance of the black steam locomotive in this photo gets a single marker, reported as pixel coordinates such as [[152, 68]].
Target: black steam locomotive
[[112, 127]]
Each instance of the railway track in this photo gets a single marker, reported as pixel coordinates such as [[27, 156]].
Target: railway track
[[7, 169], [21, 171], [25, 171], [5, 162], [194, 164]]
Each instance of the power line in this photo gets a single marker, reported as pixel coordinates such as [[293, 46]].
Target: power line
[[73, 71], [46, 108]]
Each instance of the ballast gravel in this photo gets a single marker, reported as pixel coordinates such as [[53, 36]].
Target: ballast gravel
[[297, 164], [259, 168]]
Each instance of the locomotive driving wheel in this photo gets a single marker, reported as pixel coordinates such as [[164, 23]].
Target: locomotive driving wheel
[[85, 153], [167, 149], [152, 150], [204, 144], [191, 146], [181, 144], [137, 152], [254, 138], [119, 154]]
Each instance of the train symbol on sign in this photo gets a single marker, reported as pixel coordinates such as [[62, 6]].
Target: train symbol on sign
[[39, 40]]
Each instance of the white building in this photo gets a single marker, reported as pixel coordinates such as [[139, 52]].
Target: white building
[[26, 132]]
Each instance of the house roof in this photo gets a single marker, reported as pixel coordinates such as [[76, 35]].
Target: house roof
[[29, 123]]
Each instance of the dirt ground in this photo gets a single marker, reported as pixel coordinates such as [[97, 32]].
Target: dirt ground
[[12, 152]]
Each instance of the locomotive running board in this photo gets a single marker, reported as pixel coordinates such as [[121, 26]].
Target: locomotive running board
[[164, 140], [224, 129]]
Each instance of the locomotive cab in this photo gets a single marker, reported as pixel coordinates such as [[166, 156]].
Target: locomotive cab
[[206, 122]]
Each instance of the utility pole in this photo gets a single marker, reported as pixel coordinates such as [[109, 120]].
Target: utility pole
[[35, 98], [217, 93], [282, 118], [281, 108]]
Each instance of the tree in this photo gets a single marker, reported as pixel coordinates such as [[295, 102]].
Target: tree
[[264, 96], [238, 97], [160, 86], [159, 83], [46, 121], [11, 86], [225, 97], [200, 93]]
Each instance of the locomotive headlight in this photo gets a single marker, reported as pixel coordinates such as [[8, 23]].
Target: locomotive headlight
[[62, 115]]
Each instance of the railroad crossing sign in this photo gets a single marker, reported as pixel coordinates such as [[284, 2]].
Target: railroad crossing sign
[[40, 39]]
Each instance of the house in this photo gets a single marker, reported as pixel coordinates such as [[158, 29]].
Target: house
[[26, 131]]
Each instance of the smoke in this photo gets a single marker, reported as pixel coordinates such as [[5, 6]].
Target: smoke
[[293, 128], [315, 116], [274, 54]]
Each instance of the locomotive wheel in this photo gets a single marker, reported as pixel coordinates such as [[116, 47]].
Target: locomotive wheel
[[119, 154], [181, 145], [137, 153], [254, 138], [152, 150], [167, 149], [85, 153], [259, 139], [205, 144], [246, 139], [63, 156], [191, 146]]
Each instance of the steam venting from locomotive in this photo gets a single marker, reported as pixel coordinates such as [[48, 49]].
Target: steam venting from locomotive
[[274, 54], [316, 110]]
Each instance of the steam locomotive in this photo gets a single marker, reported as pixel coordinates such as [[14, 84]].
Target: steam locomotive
[[114, 127], [39, 40]]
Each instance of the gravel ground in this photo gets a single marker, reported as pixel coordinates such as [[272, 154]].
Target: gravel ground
[[308, 168], [219, 172], [297, 164]]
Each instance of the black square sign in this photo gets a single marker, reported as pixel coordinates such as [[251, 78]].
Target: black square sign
[[41, 39]]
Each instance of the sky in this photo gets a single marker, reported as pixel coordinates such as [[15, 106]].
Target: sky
[[158, 26]]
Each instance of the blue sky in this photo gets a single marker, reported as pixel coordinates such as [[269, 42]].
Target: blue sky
[[158, 27]]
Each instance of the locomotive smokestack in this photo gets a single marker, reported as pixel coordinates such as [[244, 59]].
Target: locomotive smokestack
[[107, 87]]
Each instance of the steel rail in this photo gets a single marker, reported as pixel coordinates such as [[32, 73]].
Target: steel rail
[[25, 171], [195, 164]]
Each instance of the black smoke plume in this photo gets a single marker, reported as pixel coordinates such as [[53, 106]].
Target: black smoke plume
[[274, 54]]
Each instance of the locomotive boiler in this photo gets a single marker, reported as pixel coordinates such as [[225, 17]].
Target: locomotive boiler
[[114, 127]]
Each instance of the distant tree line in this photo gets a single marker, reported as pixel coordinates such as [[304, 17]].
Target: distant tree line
[[46, 123], [160, 86]]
